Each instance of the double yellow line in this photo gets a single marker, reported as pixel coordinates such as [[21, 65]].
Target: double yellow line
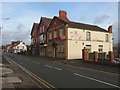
[[46, 84], [43, 82]]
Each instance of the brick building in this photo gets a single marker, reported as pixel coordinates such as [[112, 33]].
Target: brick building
[[34, 38], [66, 38], [42, 35], [61, 38]]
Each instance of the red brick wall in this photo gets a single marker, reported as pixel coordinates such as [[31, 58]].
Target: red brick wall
[[53, 25]]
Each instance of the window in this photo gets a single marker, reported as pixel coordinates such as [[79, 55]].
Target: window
[[43, 37], [55, 23], [40, 29], [62, 33], [100, 48], [88, 47], [55, 34], [17, 47], [43, 29], [50, 35], [61, 48], [106, 38], [88, 36], [23, 47]]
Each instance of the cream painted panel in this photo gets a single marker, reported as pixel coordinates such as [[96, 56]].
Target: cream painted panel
[[74, 49], [80, 34]]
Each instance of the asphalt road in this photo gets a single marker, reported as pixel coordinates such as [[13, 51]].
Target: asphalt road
[[66, 76]]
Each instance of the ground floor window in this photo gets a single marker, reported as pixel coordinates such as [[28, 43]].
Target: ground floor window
[[50, 49], [61, 47], [100, 48], [88, 47]]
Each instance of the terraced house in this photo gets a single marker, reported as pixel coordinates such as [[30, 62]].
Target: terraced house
[[42, 36], [66, 39], [34, 38]]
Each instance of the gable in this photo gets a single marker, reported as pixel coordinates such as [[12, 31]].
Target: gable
[[56, 22], [34, 28], [43, 22]]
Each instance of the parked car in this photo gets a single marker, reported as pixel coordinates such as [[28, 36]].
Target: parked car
[[105, 60], [116, 60]]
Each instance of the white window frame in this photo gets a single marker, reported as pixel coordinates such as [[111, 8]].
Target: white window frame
[[88, 47], [88, 36], [106, 38], [100, 48]]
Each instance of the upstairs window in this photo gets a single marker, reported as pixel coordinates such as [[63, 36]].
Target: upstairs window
[[62, 33], [55, 34], [43, 28], [106, 38], [40, 29], [88, 36], [50, 35]]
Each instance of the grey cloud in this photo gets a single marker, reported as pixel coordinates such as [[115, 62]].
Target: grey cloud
[[100, 19], [21, 33]]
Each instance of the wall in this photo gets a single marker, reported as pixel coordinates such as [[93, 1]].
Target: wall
[[21, 46], [77, 41], [59, 53]]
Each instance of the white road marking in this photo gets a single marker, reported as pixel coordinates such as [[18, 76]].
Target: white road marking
[[53, 67], [96, 80]]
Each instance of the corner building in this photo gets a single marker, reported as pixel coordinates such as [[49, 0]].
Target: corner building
[[66, 39]]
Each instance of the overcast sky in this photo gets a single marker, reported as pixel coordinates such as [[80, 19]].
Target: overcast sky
[[18, 17]]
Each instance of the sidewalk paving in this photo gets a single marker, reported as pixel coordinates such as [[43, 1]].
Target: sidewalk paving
[[13, 77]]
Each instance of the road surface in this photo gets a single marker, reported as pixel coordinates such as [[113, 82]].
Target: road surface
[[60, 75]]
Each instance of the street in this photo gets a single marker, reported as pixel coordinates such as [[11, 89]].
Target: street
[[59, 75]]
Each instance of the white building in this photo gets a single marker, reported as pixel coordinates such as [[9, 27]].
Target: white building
[[92, 40], [19, 47]]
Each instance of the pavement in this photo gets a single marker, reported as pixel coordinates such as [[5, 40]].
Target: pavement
[[59, 73], [13, 77]]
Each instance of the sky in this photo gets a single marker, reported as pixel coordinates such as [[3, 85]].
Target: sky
[[18, 17]]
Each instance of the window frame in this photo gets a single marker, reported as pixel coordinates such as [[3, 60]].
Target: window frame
[[88, 36], [106, 37], [62, 32]]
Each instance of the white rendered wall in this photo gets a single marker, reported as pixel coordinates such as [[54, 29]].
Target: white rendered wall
[[77, 41]]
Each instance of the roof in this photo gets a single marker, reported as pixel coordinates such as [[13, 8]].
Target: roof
[[46, 21], [78, 25], [35, 26], [15, 43], [85, 26]]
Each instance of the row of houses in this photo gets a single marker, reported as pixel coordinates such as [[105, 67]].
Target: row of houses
[[60, 37], [15, 47]]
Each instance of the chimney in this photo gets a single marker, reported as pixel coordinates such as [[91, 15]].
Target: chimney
[[63, 15], [110, 29]]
